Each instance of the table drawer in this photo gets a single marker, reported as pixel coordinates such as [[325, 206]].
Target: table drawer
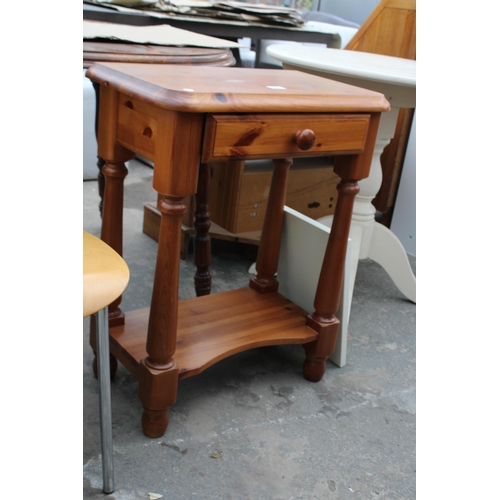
[[283, 135]]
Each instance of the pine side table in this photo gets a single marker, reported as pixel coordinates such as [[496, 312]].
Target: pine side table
[[182, 118]]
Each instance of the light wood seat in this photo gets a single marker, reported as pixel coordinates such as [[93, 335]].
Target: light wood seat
[[105, 274], [105, 277]]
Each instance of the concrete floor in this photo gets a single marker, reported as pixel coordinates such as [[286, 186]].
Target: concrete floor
[[251, 427]]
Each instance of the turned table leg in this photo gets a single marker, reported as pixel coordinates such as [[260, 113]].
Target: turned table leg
[[158, 371], [269, 246], [329, 288], [202, 250], [112, 223], [112, 234], [350, 168], [114, 171]]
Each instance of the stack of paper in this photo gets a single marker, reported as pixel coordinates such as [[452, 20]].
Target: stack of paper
[[227, 10], [252, 13]]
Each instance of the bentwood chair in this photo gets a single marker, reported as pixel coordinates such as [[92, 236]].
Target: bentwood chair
[[105, 277]]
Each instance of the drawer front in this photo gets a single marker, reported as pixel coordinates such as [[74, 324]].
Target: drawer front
[[137, 126], [230, 137]]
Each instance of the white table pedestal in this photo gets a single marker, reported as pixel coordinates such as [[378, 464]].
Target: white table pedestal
[[395, 78], [372, 240]]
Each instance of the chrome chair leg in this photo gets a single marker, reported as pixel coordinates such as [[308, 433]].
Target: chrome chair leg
[[102, 347]]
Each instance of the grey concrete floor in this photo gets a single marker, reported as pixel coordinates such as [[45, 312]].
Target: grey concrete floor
[[251, 427]]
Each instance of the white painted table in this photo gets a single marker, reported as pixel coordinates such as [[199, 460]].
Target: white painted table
[[396, 79]]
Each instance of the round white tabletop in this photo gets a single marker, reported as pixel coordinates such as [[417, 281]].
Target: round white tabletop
[[348, 62], [393, 76]]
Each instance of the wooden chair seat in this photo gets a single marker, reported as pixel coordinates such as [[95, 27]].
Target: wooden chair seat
[[105, 274]]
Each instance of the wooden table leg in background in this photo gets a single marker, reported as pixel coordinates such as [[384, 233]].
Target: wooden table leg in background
[[268, 255], [202, 250]]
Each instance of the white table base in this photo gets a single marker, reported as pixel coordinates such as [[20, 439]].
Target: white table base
[[372, 240]]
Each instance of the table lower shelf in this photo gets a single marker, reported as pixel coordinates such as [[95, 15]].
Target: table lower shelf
[[213, 327]]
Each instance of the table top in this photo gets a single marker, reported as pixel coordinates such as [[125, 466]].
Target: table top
[[154, 54], [204, 89], [362, 65]]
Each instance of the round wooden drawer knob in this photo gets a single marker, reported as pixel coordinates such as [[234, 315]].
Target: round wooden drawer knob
[[304, 139]]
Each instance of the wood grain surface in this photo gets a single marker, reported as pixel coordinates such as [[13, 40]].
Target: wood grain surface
[[213, 327], [105, 274], [207, 89]]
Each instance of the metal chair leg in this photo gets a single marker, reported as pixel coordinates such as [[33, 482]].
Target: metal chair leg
[[102, 347]]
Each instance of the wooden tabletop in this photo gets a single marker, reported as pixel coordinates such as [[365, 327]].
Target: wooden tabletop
[[154, 54], [208, 89]]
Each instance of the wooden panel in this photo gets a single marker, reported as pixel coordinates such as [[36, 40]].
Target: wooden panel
[[177, 161], [313, 192], [252, 202], [272, 136], [151, 221], [225, 189], [390, 30], [310, 191], [107, 145], [357, 167], [137, 126], [238, 198]]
